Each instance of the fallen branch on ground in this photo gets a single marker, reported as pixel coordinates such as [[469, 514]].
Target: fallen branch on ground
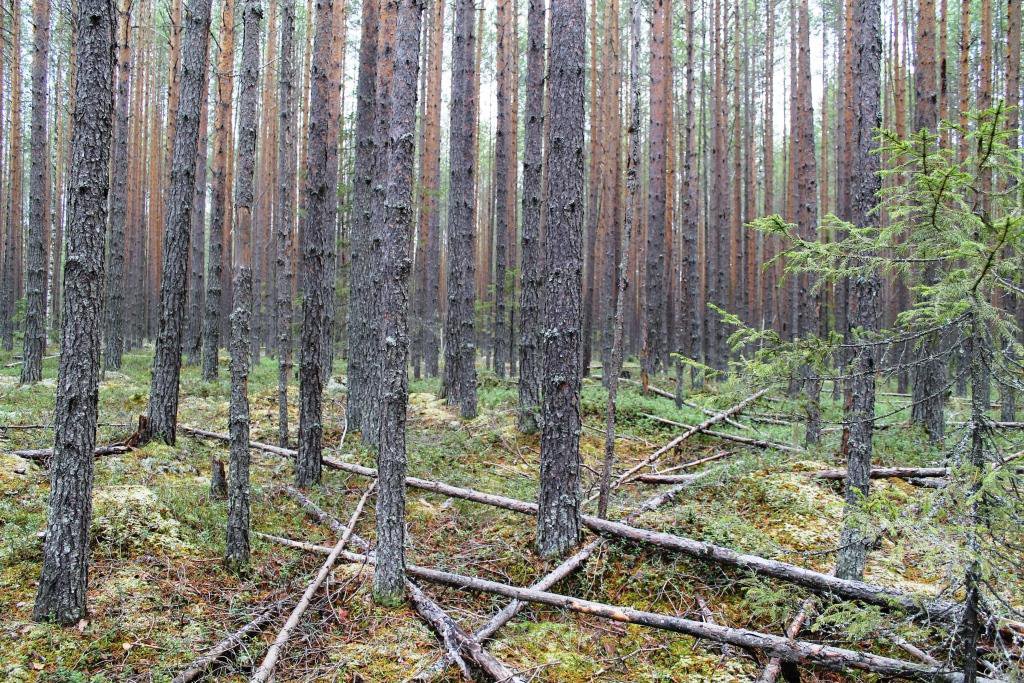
[[746, 440], [266, 669], [454, 639], [812, 654], [197, 668], [44, 454], [887, 473], [774, 668]]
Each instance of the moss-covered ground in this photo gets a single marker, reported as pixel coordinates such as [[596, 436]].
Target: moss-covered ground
[[159, 595]]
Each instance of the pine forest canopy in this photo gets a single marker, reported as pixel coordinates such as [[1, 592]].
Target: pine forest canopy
[[536, 256]]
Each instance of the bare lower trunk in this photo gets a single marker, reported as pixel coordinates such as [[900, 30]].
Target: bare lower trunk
[[558, 519], [389, 573], [64, 579], [236, 552], [532, 253], [163, 392]]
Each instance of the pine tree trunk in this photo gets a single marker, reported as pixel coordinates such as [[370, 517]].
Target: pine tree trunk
[[430, 273], [38, 207], [532, 254], [459, 380], [558, 519], [163, 392], [864, 183], [315, 240], [503, 199], [64, 579], [389, 572], [359, 355], [236, 552], [220, 206], [197, 243], [115, 286], [284, 218]]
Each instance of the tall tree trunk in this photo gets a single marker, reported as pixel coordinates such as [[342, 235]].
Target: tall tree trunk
[[284, 217], [314, 240], [929, 378], [558, 518], [14, 208], [62, 585], [197, 243], [532, 254], [236, 550], [163, 390], [359, 356], [459, 380], [656, 275], [864, 183], [220, 207], [389, 572], [38, 207], [769, 303], [431, 216], [115, 285], [503, 197]]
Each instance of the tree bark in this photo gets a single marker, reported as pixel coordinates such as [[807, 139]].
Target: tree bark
[[115, 285], [163, 392], [236, 553], [532, 253], [558, 523], [197, 257], [865, 317], [38, 207], [220, 206], [284, 217], [389, 572], [459, 380], [315, 238], [62, 586]]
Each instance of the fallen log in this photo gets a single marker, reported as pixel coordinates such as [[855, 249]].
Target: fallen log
[[888, 473], [44, 454], [695, 463], [800, 652], [808, 578], [709, 618], [674, 443], [266, 668], [667, 478], [196, 670], [746, 440], [774, 668]]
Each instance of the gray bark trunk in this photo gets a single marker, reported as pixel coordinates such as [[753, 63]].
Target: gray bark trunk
[[558, 520], [62, 585], [38, 208], [389, 573], [532, 254], [163, 392], [236, 554], [284, 218], [459, 380], [197, 257], [115, 289], [315, 241], [365, 155], [864, 318]]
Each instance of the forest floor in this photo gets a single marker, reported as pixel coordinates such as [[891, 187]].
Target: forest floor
[[159, 595]]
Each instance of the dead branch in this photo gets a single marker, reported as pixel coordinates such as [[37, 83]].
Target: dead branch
[[774, 668], [43, 455], [888, 473], [266, 669], [229, 645]]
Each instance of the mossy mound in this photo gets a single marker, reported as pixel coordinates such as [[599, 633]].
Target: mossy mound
[[132, 519]]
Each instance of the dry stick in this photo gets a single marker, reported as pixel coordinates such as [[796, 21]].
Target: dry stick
[[669, 395], [274, 652], [666, 478], [774, 667], [43, 454], [759, 443], [694, 463], [453, 637], [674, 443], [197, 668], [816, 581], [814, 654], [888, 473], [709, 618]]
